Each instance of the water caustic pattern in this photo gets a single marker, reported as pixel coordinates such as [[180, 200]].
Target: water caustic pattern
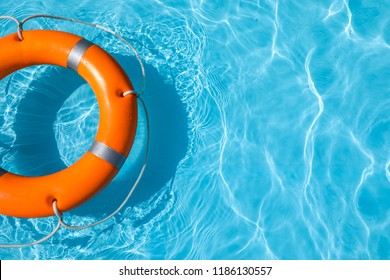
[[270, 131]]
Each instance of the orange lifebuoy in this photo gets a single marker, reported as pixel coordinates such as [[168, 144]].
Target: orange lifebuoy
[[29, 197]]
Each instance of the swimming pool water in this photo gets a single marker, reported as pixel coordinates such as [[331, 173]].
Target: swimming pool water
[[270, 131]]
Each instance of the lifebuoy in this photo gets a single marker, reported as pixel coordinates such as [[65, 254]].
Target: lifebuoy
[[31, 197]]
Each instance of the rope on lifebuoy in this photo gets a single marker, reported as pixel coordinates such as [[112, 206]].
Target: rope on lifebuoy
[[137, 94]]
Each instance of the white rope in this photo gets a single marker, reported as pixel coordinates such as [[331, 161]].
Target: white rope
[[138, 95], [33, 242], [143, 85], [20, 29]]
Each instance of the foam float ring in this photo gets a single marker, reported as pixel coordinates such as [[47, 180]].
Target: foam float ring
[[31, 197]]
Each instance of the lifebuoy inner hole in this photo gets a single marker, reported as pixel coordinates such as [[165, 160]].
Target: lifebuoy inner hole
[[48, 119]]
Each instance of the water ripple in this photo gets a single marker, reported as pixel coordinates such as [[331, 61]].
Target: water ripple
[[285, 111]]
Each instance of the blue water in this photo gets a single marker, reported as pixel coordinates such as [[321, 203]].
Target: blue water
[[270, 131]]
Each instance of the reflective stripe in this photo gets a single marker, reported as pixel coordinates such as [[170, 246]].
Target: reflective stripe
[[2, 171], [106, 153], [77, 53]]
